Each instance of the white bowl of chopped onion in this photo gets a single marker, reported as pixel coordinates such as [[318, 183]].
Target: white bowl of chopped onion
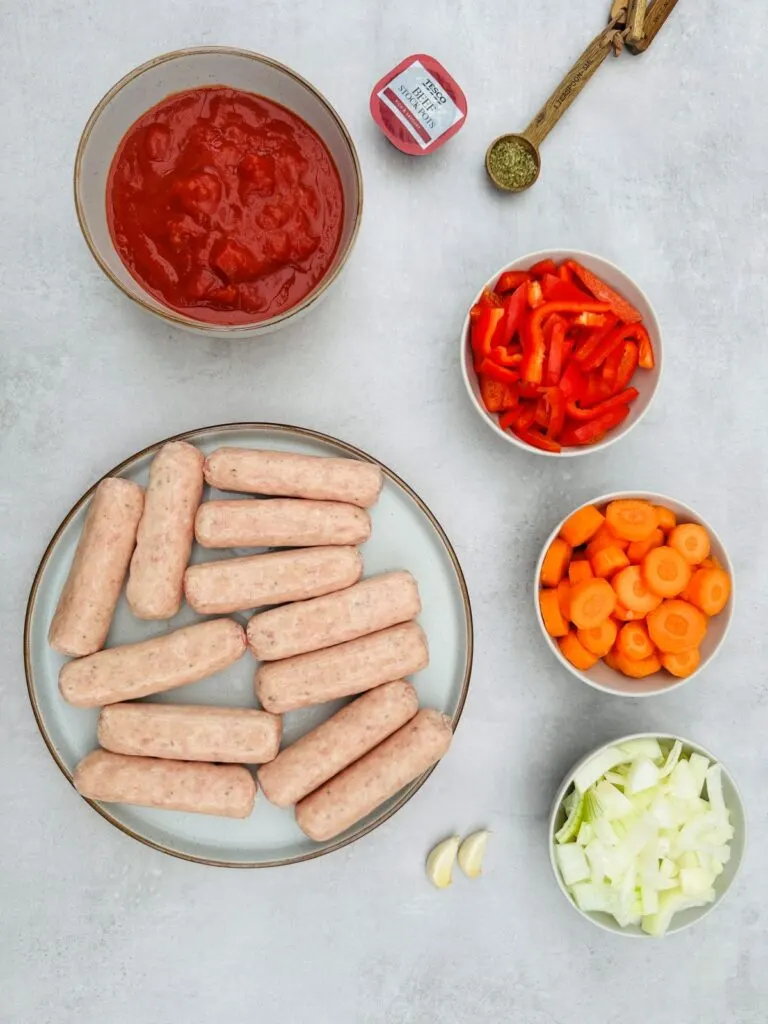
[[646, 835]]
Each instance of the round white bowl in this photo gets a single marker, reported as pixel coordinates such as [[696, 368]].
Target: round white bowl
[[646, 381], [601, 676], [723, 883], [194, 68]]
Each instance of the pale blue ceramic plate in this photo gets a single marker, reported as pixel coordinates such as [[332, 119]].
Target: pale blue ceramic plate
[[405, 536]]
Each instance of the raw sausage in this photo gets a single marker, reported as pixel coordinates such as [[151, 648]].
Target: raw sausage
[[321, 622], [166, 532], [226, 790], [344, 738], [376, 777], [343, 670], [234, 584], [280, 523], [87, 603], [191, 732], [294, 476], [152, 666]]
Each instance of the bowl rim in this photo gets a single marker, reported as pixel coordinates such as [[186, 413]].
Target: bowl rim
[[615, 435], [656, 499], [562, 791], [168, 314]]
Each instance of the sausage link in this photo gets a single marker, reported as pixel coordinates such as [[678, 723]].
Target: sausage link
[[190, 732], [376, 777], [343, 670], [152, 666], [87, 603], [367, 607], [294, 476], [166, 532], [344, 738], [223, 789], [235, 584], [280, 523]]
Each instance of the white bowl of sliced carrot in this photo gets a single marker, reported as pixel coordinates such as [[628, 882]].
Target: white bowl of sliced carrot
[[634, 593], [561, 353]]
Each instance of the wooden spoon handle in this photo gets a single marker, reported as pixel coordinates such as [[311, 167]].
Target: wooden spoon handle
[[657, 14], [570, 87]]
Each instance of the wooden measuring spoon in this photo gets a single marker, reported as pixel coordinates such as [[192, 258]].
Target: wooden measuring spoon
[[527, 142]]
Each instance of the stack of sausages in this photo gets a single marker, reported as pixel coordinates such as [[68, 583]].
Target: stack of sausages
[[325, 634]]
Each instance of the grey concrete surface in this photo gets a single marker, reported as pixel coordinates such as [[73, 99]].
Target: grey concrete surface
[[661, 167]]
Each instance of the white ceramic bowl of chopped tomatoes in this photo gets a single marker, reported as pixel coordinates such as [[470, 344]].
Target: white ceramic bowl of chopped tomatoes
[[562, 361]]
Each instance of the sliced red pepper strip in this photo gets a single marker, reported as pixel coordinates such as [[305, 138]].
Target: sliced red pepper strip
[[573, 382], [509, 398], [511, 280], [611, 366], [594, 430], [622, 333], [647, 360], [535, 294], [590, 319], [564, 273], [556, 404], [627, 366], [502, 355], [596, 391], [487, 300], [537, 440], [483, 331], [623, 309], [555, 357], [543, 413], [520, 418], [589, 346], [490, 369], [534, 347], [543, 267], [492, 393], [575, 411], [515, 306], [557, 290]]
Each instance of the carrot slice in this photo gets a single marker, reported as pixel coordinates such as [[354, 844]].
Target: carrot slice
[[605, 538], [709, 590], [666, 572], [554, 623], [665, 517], [638, 549], [692, 541], [637, 668], [564, 598], [676, 626], [608, 561], [633, 593], [582, 526], [631, 519], [623, 614], [682, 664], [573, 651], [611, 661], [592, 601], [600, 639], [634, 641], [579, 570], [555, 562]]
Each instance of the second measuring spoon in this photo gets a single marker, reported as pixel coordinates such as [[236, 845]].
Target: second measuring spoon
[[513, 161]]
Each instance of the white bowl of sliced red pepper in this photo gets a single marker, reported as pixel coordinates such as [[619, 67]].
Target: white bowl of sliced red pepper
[[561, 353]]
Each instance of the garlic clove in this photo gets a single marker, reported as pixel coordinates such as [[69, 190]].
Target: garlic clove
[[472, 852], [440, 862]]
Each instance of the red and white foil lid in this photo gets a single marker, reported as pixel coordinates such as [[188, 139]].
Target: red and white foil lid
[[418, 105]]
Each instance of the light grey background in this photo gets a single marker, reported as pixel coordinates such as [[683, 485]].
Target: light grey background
[[661, 167]]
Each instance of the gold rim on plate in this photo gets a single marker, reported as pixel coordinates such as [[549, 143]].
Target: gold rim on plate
[[166, 312], [191, 435]]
